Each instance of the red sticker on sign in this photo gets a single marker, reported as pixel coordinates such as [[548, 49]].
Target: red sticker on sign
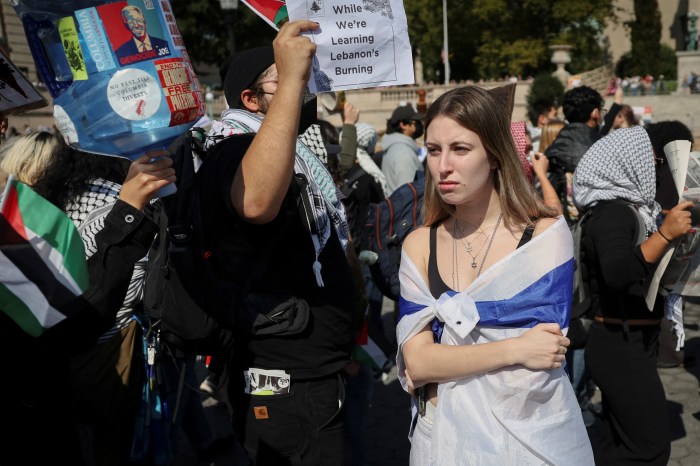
[[180, 94]]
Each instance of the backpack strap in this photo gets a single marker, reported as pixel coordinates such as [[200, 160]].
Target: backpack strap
[[305, 208], [641, 226]]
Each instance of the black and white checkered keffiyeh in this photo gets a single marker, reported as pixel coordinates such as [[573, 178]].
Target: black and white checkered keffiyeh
[[327, 208], [366, 141], [619, 166], [314, 141], [88, 213]]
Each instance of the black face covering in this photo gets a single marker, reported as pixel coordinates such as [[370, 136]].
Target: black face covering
[[419, 130], [309, 112]]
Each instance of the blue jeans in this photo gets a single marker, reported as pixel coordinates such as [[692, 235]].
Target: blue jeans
[[583, 384]]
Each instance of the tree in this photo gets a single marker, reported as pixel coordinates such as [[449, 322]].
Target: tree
[[201, 24], [644, 58], [547, 88], [487, 38], [515, 35], [424, 18]]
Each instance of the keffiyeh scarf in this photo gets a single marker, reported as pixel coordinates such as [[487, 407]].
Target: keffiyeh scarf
[[88, 212], [521, 140], [366, 141], [327, 209], [619, 166]]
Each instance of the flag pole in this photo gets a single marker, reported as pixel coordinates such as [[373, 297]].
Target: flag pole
[[3, 199], [444, 40]]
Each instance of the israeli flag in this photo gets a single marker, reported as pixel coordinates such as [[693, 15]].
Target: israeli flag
[[513, 415]]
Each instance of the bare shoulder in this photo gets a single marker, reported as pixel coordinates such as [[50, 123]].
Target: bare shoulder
[[417, 243], [417, 247], [543, 224]]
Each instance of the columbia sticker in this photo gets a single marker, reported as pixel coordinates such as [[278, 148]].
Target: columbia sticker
[[134, 94], [261, 412]]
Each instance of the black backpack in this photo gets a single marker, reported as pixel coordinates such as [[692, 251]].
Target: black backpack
[[388, 224], [183, 297], [359, 190], [582, 308], [195, 307]]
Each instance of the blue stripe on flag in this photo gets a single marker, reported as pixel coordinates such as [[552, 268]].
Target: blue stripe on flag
[[548, 300]]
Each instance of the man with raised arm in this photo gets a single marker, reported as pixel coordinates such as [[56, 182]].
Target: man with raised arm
[[279, 229]]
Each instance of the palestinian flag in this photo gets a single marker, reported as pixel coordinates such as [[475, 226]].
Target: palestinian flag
[[42, 260], [274, 12], [366, 351]]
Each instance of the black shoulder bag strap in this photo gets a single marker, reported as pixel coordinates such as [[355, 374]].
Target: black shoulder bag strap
[[640, 236], [305, 209]]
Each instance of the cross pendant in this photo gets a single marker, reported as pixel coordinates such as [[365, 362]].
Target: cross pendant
[[473, 263]]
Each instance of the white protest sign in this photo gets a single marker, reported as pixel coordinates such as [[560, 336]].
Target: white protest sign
[[361, 43], [677, 155]]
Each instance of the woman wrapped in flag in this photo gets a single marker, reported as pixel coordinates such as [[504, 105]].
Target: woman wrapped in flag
[[485, 299]]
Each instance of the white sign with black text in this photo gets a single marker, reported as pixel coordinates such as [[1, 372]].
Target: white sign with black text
[[361, 43]]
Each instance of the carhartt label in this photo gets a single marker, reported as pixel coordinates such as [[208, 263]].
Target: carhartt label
[[261, 412]]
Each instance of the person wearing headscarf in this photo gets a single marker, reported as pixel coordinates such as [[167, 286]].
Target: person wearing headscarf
[[616, 171], [535, 165], [366, 142], [523, 145], [662, 133]]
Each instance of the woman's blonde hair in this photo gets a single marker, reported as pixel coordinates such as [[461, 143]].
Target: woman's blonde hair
[[27, 156], [478, 111], [550, 133]]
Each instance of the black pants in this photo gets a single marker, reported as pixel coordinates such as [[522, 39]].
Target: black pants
[[305, 427], [634, 403]]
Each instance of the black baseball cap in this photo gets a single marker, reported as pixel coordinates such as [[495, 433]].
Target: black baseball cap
[[405, 113], [242, 69]]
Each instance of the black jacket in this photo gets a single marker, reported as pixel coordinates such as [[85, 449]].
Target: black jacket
[[564, 154], [35, 393], [572, 142]]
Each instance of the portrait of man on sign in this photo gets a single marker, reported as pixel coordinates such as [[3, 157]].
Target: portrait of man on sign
[[141, 45]]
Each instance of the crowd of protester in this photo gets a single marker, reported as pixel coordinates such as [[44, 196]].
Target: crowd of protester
[[499, 198]]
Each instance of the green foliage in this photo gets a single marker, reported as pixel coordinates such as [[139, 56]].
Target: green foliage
[[514, 36], [203, 28], [424, 19], [487, 38], [668, 63], [646, 41], [633, 65], [545, 87]]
